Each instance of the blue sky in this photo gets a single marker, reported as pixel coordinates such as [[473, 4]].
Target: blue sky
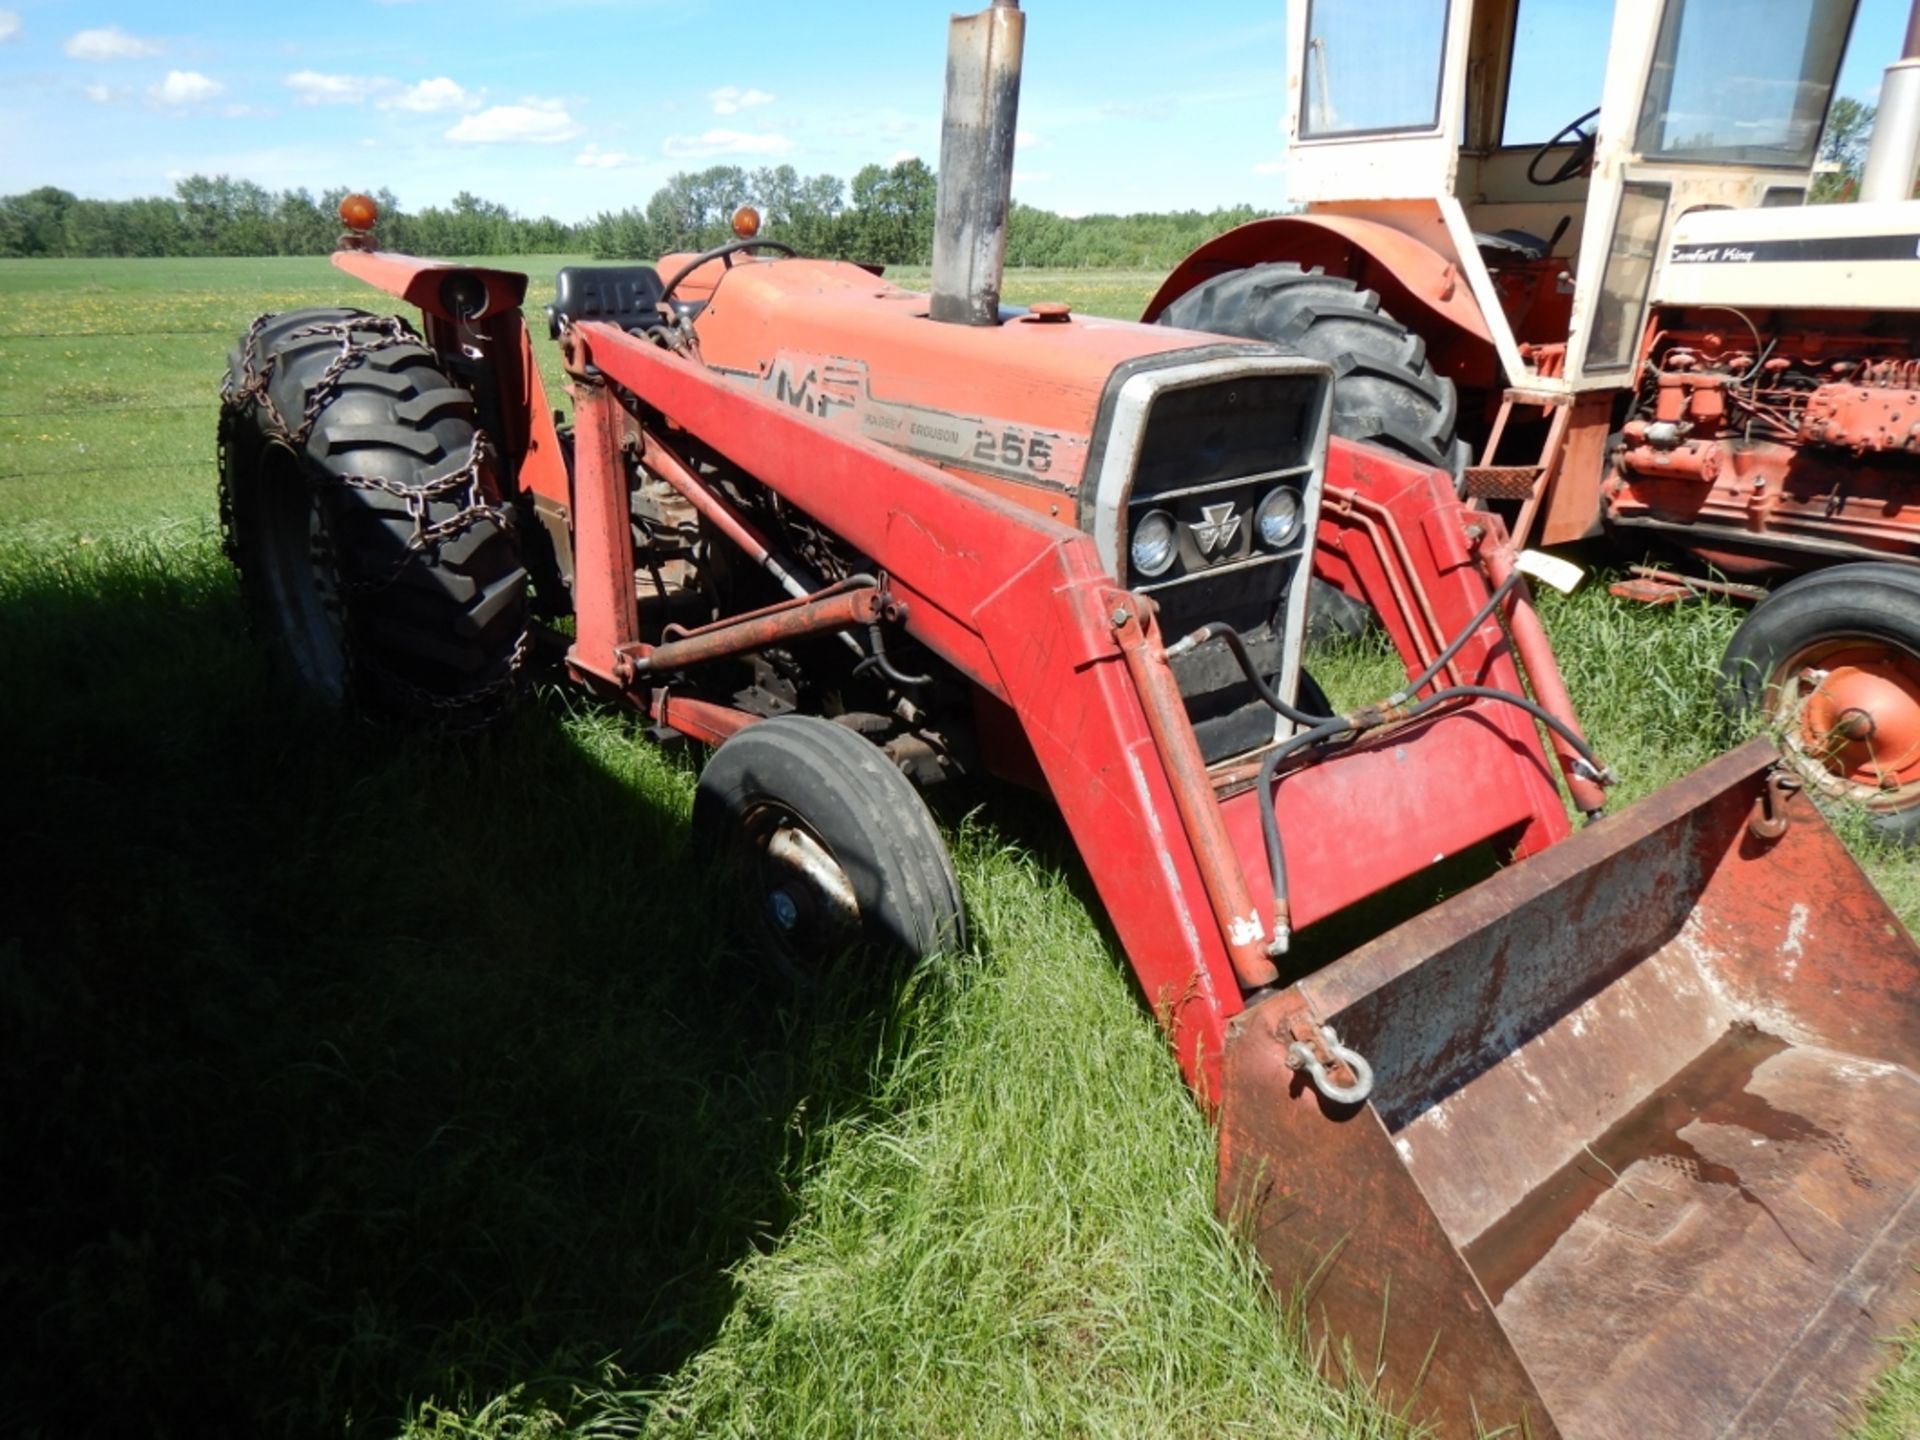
[[572, 106]]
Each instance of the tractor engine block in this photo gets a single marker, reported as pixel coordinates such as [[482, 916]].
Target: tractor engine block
[[1752, 447]]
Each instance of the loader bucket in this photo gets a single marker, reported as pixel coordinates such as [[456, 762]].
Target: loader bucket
[[1643, 1154]]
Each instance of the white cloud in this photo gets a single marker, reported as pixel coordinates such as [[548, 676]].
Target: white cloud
[[595, 158], [101, 94], [725, 142], [900, 157], [731, 99], [430, 97], [1027, 140], [186, 87], [9, 26], [314, 88], [109, 43], [540, 122], [1271, 167]]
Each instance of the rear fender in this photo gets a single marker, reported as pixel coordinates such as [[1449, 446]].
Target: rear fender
[[474, 324], [1418, 285], [436, 287]]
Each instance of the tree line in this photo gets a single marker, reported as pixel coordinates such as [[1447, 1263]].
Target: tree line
[[883, 215]]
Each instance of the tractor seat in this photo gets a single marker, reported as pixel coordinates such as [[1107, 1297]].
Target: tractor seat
[[1511, 245], [623, 295]]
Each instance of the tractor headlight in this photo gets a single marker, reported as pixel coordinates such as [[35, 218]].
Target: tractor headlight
[[1155, 544], [1277, 519]]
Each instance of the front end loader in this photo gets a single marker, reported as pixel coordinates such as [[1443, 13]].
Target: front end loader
[[1621, 1140]]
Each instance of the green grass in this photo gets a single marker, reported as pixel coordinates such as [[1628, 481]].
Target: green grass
[[369, 1083]]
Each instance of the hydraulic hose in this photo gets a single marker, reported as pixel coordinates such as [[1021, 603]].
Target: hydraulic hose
[[1401, 705], [1357, 724], [1221, 630]]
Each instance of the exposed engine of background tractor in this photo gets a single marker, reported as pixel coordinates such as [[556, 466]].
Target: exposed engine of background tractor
[[1747, 437], [855, 536]]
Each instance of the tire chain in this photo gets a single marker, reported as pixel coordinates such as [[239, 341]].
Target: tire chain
[[254, 388]]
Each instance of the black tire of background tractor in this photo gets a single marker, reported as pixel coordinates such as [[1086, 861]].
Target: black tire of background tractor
[[1335, 615], [1384, 389], [1875, 604], [1308, 696], [324, 566], [800, 780]]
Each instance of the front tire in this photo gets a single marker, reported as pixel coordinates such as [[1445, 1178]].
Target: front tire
[[835, 845], [1832, 661], [361, 516]]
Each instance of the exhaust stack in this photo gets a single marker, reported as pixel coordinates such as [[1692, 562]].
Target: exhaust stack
[[1894, 151], [976, 163]]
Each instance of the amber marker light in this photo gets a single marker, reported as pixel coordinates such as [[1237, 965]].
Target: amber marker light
[[358, 213], [746, 222]]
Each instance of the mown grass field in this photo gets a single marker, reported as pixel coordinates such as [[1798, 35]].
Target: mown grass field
[[368, 1083]]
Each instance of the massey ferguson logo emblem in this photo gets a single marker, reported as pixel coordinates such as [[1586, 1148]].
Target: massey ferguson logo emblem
[[1216, 528]]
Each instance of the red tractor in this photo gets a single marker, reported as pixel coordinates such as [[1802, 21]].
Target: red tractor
[[1632, 327], [1621, 1140]]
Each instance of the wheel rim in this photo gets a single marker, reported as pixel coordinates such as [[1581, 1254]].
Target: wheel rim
[[1849, 708], [805, 899], [296, 555]]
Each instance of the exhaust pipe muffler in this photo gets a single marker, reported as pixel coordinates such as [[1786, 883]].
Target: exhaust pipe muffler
[[976, 163]]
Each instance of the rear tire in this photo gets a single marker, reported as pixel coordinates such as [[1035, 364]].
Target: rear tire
[[1832, 661], [835, 845], [329, 569]]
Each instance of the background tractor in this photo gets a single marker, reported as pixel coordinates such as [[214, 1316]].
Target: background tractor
[[1634, 326], [864, 540]]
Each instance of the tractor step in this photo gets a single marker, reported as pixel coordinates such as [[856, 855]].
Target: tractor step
[[1503, 482]]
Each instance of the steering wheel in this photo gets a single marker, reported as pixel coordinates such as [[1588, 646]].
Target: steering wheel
[[1582, 156], [724, 252]]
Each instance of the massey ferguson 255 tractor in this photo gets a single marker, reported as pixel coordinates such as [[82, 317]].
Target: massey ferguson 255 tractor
[[1621, 1141], [1636, 326]]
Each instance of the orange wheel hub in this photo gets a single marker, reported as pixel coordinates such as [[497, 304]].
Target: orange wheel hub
[[1858, 715]]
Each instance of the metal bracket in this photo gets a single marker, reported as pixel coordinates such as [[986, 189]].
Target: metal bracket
[[1318, 1051], [1770, 819]]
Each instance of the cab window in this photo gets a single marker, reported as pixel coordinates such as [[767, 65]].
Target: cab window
[[1372, 66], [1735, 82], [1559, 67]]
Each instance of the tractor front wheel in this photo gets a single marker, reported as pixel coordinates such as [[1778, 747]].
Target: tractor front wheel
[[1832, 661], [361, 512], [833, 843]]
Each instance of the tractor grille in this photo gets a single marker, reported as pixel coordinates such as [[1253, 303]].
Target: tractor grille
[[1208, 455]]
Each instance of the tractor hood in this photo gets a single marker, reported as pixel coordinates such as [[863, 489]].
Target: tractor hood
[[1015, 403], [1841, 257]]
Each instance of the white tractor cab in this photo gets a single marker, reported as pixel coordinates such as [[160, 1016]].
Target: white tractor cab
[[1590, 220]]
